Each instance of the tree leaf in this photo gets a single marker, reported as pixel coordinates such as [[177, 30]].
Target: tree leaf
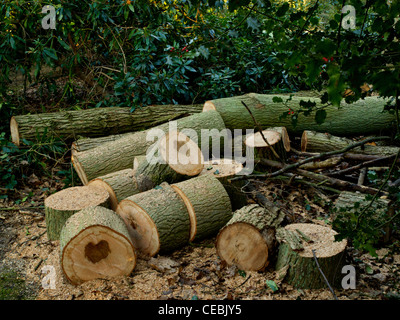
[[272, 285]]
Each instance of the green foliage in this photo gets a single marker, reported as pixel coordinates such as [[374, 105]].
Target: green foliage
[[366, 225]]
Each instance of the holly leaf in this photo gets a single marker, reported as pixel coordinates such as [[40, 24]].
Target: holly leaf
[[320, 116]]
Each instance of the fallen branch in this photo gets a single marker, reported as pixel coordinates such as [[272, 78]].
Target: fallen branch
[[359, 166], [310, 159]]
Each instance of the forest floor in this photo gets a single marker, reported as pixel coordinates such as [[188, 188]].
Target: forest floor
[[28, 258]]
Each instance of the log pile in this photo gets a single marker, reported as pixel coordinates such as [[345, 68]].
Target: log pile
[[152, 183]]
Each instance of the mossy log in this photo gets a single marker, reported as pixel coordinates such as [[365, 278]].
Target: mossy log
[[208, 205], [225, 169], [119, 185], [312, 141], [157, 220], [362, 117], [94, 243], [297, 242], [118, 155], [174, 158], [248, 239], [63, 204], [95, 122]]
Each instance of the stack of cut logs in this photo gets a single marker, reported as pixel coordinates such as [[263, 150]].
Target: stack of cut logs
[[142, 196]]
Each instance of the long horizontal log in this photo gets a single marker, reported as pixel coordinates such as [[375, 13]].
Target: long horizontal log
[[96, 122], [362, 117]]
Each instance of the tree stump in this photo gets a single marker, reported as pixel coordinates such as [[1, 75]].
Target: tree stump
[[119, 185], [208, 205], [276, 148], [94, 243], [224, 170], [174, 158], [157, 220], [248, 239], [63, 204], [297, 242]]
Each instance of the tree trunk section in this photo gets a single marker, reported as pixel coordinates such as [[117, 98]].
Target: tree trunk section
[[96, 122], [275, 149], [295, 254], [224, 170], [208, 205], [362, 117], [63, 204], [119, 185], [117, 155], [157, 220], [174, 158], [321, 142], [94, 243], [248, 239]]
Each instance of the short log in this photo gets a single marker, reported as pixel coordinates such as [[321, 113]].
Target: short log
[[94, 243], [63, 204], [297, 242]]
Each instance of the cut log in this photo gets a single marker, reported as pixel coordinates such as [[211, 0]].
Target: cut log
[[119, 185], [174, 158], [276, 148], [94, 243], [63, 204], [157, 220], [95, 122], [224, 170], [117, 155], [297, 242], [362, 117], [248, 239], [312, 141], [208, 205]]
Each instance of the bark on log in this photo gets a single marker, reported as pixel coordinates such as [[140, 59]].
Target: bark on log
[[114, 156], [362, 117], [63, 204], [248, 239], [119, 185], [174, 158], [312, 141], [224, 170], [94, 243], [295, 254], [94, 122], [208, 205], [85, 143], [157, 220]]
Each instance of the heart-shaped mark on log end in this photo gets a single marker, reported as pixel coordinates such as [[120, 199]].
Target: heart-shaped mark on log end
[[97, 252]]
